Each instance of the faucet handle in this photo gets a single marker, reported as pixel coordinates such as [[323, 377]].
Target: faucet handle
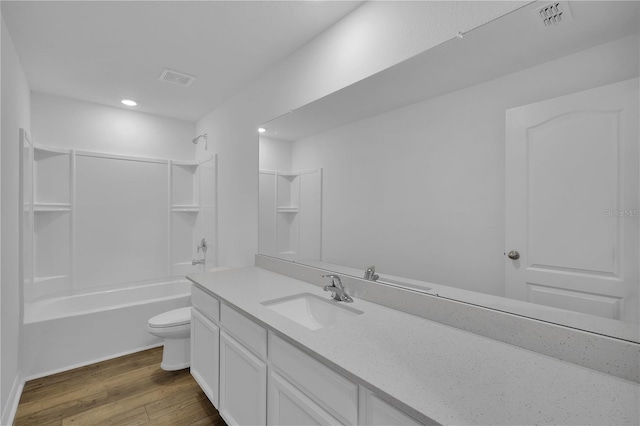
[[335, 280], [330, 288]]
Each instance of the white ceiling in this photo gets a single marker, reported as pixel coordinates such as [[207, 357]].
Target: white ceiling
[[103, 51], [512, 43]]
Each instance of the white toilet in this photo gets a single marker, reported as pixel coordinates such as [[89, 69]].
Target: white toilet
[[175, 328]]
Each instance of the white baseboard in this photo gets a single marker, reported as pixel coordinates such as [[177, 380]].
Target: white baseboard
[[93, 361], [9, 410]]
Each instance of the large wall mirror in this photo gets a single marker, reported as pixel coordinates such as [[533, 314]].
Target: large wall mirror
[[499, 168]]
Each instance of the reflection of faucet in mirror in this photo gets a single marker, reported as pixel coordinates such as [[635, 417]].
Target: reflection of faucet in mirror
[[202, 246], [337, 289], [370, 274]]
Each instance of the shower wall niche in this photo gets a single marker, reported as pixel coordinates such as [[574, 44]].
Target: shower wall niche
[[52, 218], [104, 220]]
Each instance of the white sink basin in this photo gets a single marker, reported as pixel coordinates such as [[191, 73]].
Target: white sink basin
[[311, 311]]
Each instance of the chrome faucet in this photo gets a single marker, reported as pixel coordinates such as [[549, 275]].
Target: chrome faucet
[[370, 274], [197, 261], [337, 289]]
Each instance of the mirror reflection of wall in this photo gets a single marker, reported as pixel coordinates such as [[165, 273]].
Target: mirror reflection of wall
[[419, 191], [290, 205]]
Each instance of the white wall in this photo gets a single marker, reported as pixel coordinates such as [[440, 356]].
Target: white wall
[[275, 154], [375, 36], [69, 123], [15, 114], [437, 168]]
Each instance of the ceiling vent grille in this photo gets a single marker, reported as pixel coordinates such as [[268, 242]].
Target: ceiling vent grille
[[176, 77], [553, 14]]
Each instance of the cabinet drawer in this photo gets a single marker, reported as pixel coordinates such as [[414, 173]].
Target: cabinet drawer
[[330, 390], [244, 330], [205, 303], [376, 412], [289, 406]]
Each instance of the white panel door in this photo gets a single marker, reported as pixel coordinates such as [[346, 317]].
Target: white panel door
[[572, 202], [205, 355], [243, 384], [289, 406]]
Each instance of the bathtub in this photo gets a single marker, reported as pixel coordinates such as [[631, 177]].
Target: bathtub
[[62, 333]]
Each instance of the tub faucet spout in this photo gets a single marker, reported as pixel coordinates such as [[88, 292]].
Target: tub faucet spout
[[197, 261]]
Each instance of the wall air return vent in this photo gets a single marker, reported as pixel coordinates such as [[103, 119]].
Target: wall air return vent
[[553, 14], [176, 77]]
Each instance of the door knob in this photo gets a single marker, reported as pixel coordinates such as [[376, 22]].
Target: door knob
[[514, 255]]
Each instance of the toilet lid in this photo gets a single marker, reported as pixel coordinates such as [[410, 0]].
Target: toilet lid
[[172, 318]]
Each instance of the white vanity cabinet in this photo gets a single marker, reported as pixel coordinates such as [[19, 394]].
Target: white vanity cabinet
[[336, 395], [243, 384], [255, 377], [243, 369], [376, 412], [205, 342], [289, 406], [205, 338]]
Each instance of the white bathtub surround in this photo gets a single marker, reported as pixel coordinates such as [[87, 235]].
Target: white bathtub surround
[[151, 214], [602, 353], [68, 332], [433, 372]]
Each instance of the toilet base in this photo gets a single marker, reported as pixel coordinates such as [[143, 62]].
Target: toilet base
[[176, 354]]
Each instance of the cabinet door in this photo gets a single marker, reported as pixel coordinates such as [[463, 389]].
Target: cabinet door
[[376, 412], [330, 390], [243, 384], [205, 341], [289, 406]]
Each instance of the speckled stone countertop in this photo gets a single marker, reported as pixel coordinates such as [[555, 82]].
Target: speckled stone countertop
[[432, 371]]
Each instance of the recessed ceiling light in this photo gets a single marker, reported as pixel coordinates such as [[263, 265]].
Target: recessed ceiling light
[[261, 130], [129, 102]]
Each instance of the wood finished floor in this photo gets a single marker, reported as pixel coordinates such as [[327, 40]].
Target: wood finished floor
[[130, 390]]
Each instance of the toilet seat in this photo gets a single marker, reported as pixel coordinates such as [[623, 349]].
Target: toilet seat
[[174, 318]]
